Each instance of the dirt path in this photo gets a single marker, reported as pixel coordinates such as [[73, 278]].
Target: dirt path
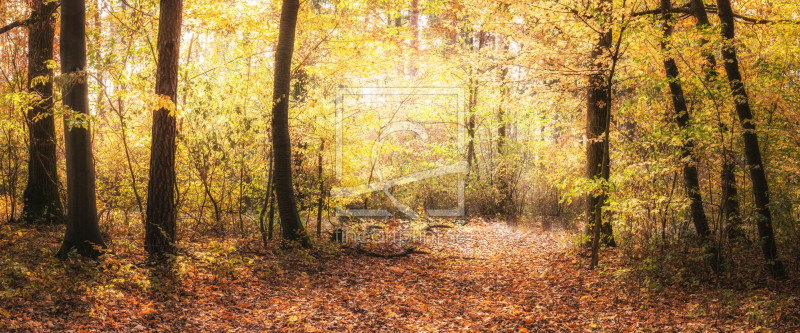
[[490, 278]]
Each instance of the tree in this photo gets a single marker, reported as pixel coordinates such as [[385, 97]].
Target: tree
[[751, 149], [160, 219], [688, 158], [472, 102], [504, 174], [321, 181], [41, 200], [730, 202], [291, 225], [598, 115], [83, 231], [730, 197]]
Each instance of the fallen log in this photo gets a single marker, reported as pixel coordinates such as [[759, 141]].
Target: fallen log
[[405, 253]]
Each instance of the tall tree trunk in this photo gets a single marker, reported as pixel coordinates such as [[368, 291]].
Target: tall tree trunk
[[752, 151], [598, 114], [413, 23], [471, 105], [501, 113], [83, 231], [709, 62], [291, 226], [321, 189], [688, 158], [271, 220], [267, 203], [503, 168], [160, 224], [730, 198], [41, 200]]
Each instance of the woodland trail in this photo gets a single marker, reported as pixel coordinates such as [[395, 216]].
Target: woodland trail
[[491, 278]]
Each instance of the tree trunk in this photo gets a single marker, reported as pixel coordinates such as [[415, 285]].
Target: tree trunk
[[292, 228], [598, 108], [471, 104], [83, 231], [709, 62], [321, 189], [271, 221], [267, 203], [752, 151], [41, 200], [730, 198], [688, 158], [413, 22], [730, 201], [503, 168], [160, 224], [501, 113]]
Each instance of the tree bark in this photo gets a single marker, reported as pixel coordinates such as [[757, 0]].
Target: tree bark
[[413, 23], [83, 231], [41, 200], [730, 201], [471, 105], [321, 188], [13, 25], [752, 151], [271, 220], [598, 113], [160, 224], [291, 226], [730, 198], [504, 174], [501, 112], [472, 102], [267, 203], [688, 158], [682, 119], [709, 62]]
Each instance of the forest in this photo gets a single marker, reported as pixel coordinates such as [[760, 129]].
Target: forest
[[399, 165]]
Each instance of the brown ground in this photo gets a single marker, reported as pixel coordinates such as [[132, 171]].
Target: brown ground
[[491, 278]]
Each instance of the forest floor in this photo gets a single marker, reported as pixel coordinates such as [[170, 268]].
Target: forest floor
[[484, 277]]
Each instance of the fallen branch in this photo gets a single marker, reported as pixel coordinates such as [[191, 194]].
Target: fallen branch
[[431, 227], [463, 258], [393, 255]]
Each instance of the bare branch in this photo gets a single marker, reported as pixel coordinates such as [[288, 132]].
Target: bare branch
[[763, 21], [12, 25], [32, 19], [712, 9], [682, 10]]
